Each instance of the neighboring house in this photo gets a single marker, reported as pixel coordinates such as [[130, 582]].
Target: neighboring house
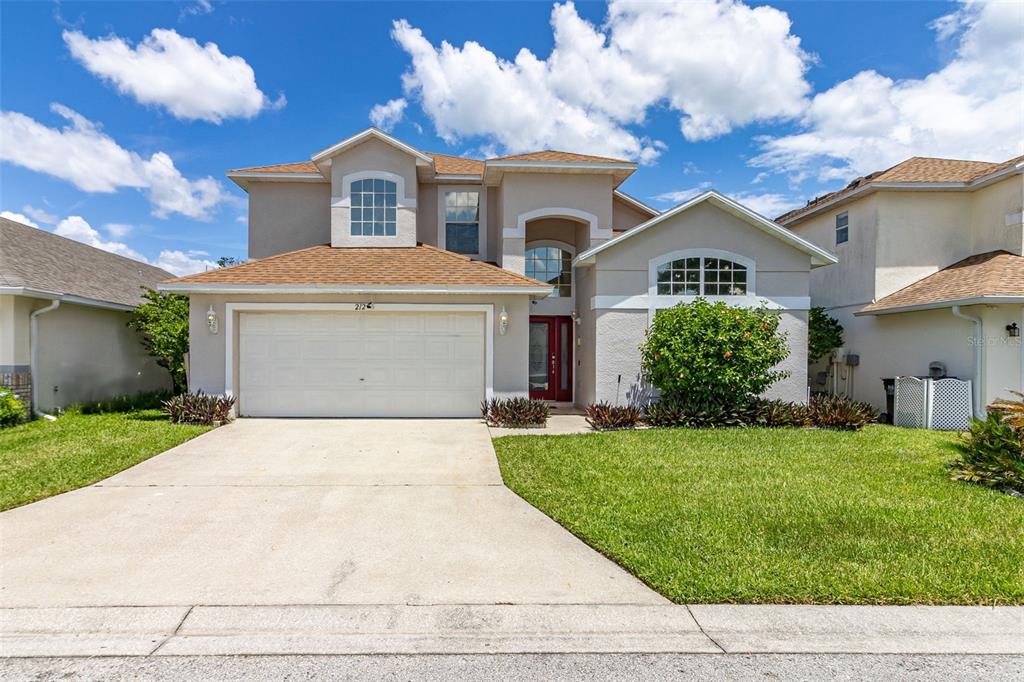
[[63, 313], [930, 271], [394, 282]]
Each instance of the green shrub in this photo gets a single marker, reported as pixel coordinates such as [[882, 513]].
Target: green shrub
[[840, 413], [779, 413], [515, 412], [691, 414], [145, 400], [12, 410], [824, 334], [198, 408], [708, 357], [991, 455], [607, 417]]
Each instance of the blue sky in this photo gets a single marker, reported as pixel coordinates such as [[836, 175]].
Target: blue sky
[[120, 136]]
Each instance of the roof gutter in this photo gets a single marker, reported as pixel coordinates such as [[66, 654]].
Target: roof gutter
[[29, 292], [939, 305], [34, 357], [979, 393]]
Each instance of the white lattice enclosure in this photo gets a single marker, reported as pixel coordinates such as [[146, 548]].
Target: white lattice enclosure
[[943, 404], [951, 404], [911, 403]]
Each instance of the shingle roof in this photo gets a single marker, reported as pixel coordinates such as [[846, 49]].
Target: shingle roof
[[325, 265], [995, 273], [297, 167], [916, 169], [37, 259], [554, 155], [445, 164]]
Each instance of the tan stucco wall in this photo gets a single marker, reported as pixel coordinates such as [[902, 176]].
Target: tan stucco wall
[[374, 155], [625, 216], [286, 216], [586, 339], [996, 221], [90, 354], [1001, 357], [14, 330], [781, 271], [851, 280], [208, 357]]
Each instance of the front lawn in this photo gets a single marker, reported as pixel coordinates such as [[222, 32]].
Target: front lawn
[[44, 458], [779, 515]]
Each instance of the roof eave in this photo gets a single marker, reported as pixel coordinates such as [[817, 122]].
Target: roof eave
[[325, 155], [242, 179], [206, 288], [819, 256], [947, 303], [29, 292]]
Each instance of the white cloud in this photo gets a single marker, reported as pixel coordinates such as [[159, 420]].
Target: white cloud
[[386, 116], [719, 64], [40, 214], [18, 218], [180, 263], [197, 8], [192, 81], [85, 156], [118, 230], [77, 228], [768, 204], [681, 195], [971, 108]]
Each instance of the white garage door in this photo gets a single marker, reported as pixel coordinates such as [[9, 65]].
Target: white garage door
[[361, 364]]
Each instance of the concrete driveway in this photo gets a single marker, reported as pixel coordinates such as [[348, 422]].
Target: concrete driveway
[[283, 512]]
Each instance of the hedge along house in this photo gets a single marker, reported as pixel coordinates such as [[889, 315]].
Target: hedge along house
[[63, 320], [389, 281]]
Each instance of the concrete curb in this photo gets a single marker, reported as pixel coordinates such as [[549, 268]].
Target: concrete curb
[[468, 629]]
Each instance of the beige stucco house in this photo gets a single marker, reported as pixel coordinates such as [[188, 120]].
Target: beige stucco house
[[63, 313], [930, 271], [389, 281]]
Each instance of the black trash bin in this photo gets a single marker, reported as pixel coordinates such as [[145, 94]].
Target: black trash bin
[[890, 399]]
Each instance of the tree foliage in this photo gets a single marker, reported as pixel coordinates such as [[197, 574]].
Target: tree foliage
[[713, 354], [162, 321], [824, 334]]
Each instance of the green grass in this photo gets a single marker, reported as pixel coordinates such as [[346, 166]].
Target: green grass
[[779, 515], [44, 458]]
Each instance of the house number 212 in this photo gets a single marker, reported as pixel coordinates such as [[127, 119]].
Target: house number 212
[[364, 306]]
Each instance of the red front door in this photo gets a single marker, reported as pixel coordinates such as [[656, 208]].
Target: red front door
[[551, 357]]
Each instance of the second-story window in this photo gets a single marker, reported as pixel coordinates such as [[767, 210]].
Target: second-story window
[[552, 265], [462, 222], [842, 228], [374, 207], [701, 276]]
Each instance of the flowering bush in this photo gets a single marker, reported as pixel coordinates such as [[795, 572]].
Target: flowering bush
[[713, 355], [12, 410]]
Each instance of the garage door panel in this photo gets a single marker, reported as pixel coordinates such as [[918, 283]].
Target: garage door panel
[[361, 364]]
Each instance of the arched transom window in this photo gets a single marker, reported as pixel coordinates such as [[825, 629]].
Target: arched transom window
[[374, 207], [702, 276], [552, 265]]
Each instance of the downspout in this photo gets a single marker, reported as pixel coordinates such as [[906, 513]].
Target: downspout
[[979, 402], [34, 360]]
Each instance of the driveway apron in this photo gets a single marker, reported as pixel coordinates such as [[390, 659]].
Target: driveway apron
[[282, 512]]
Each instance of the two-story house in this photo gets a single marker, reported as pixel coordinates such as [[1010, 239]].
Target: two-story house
[[930, 271], [388, 281]]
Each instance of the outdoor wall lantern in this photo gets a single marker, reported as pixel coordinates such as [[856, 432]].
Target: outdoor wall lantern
[[211, 320], [503, 321], [1012, 330]]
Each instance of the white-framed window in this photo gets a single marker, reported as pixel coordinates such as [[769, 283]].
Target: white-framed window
[[702, 272], [374, 206], [842, 228], [552, 265], [461, 226]]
